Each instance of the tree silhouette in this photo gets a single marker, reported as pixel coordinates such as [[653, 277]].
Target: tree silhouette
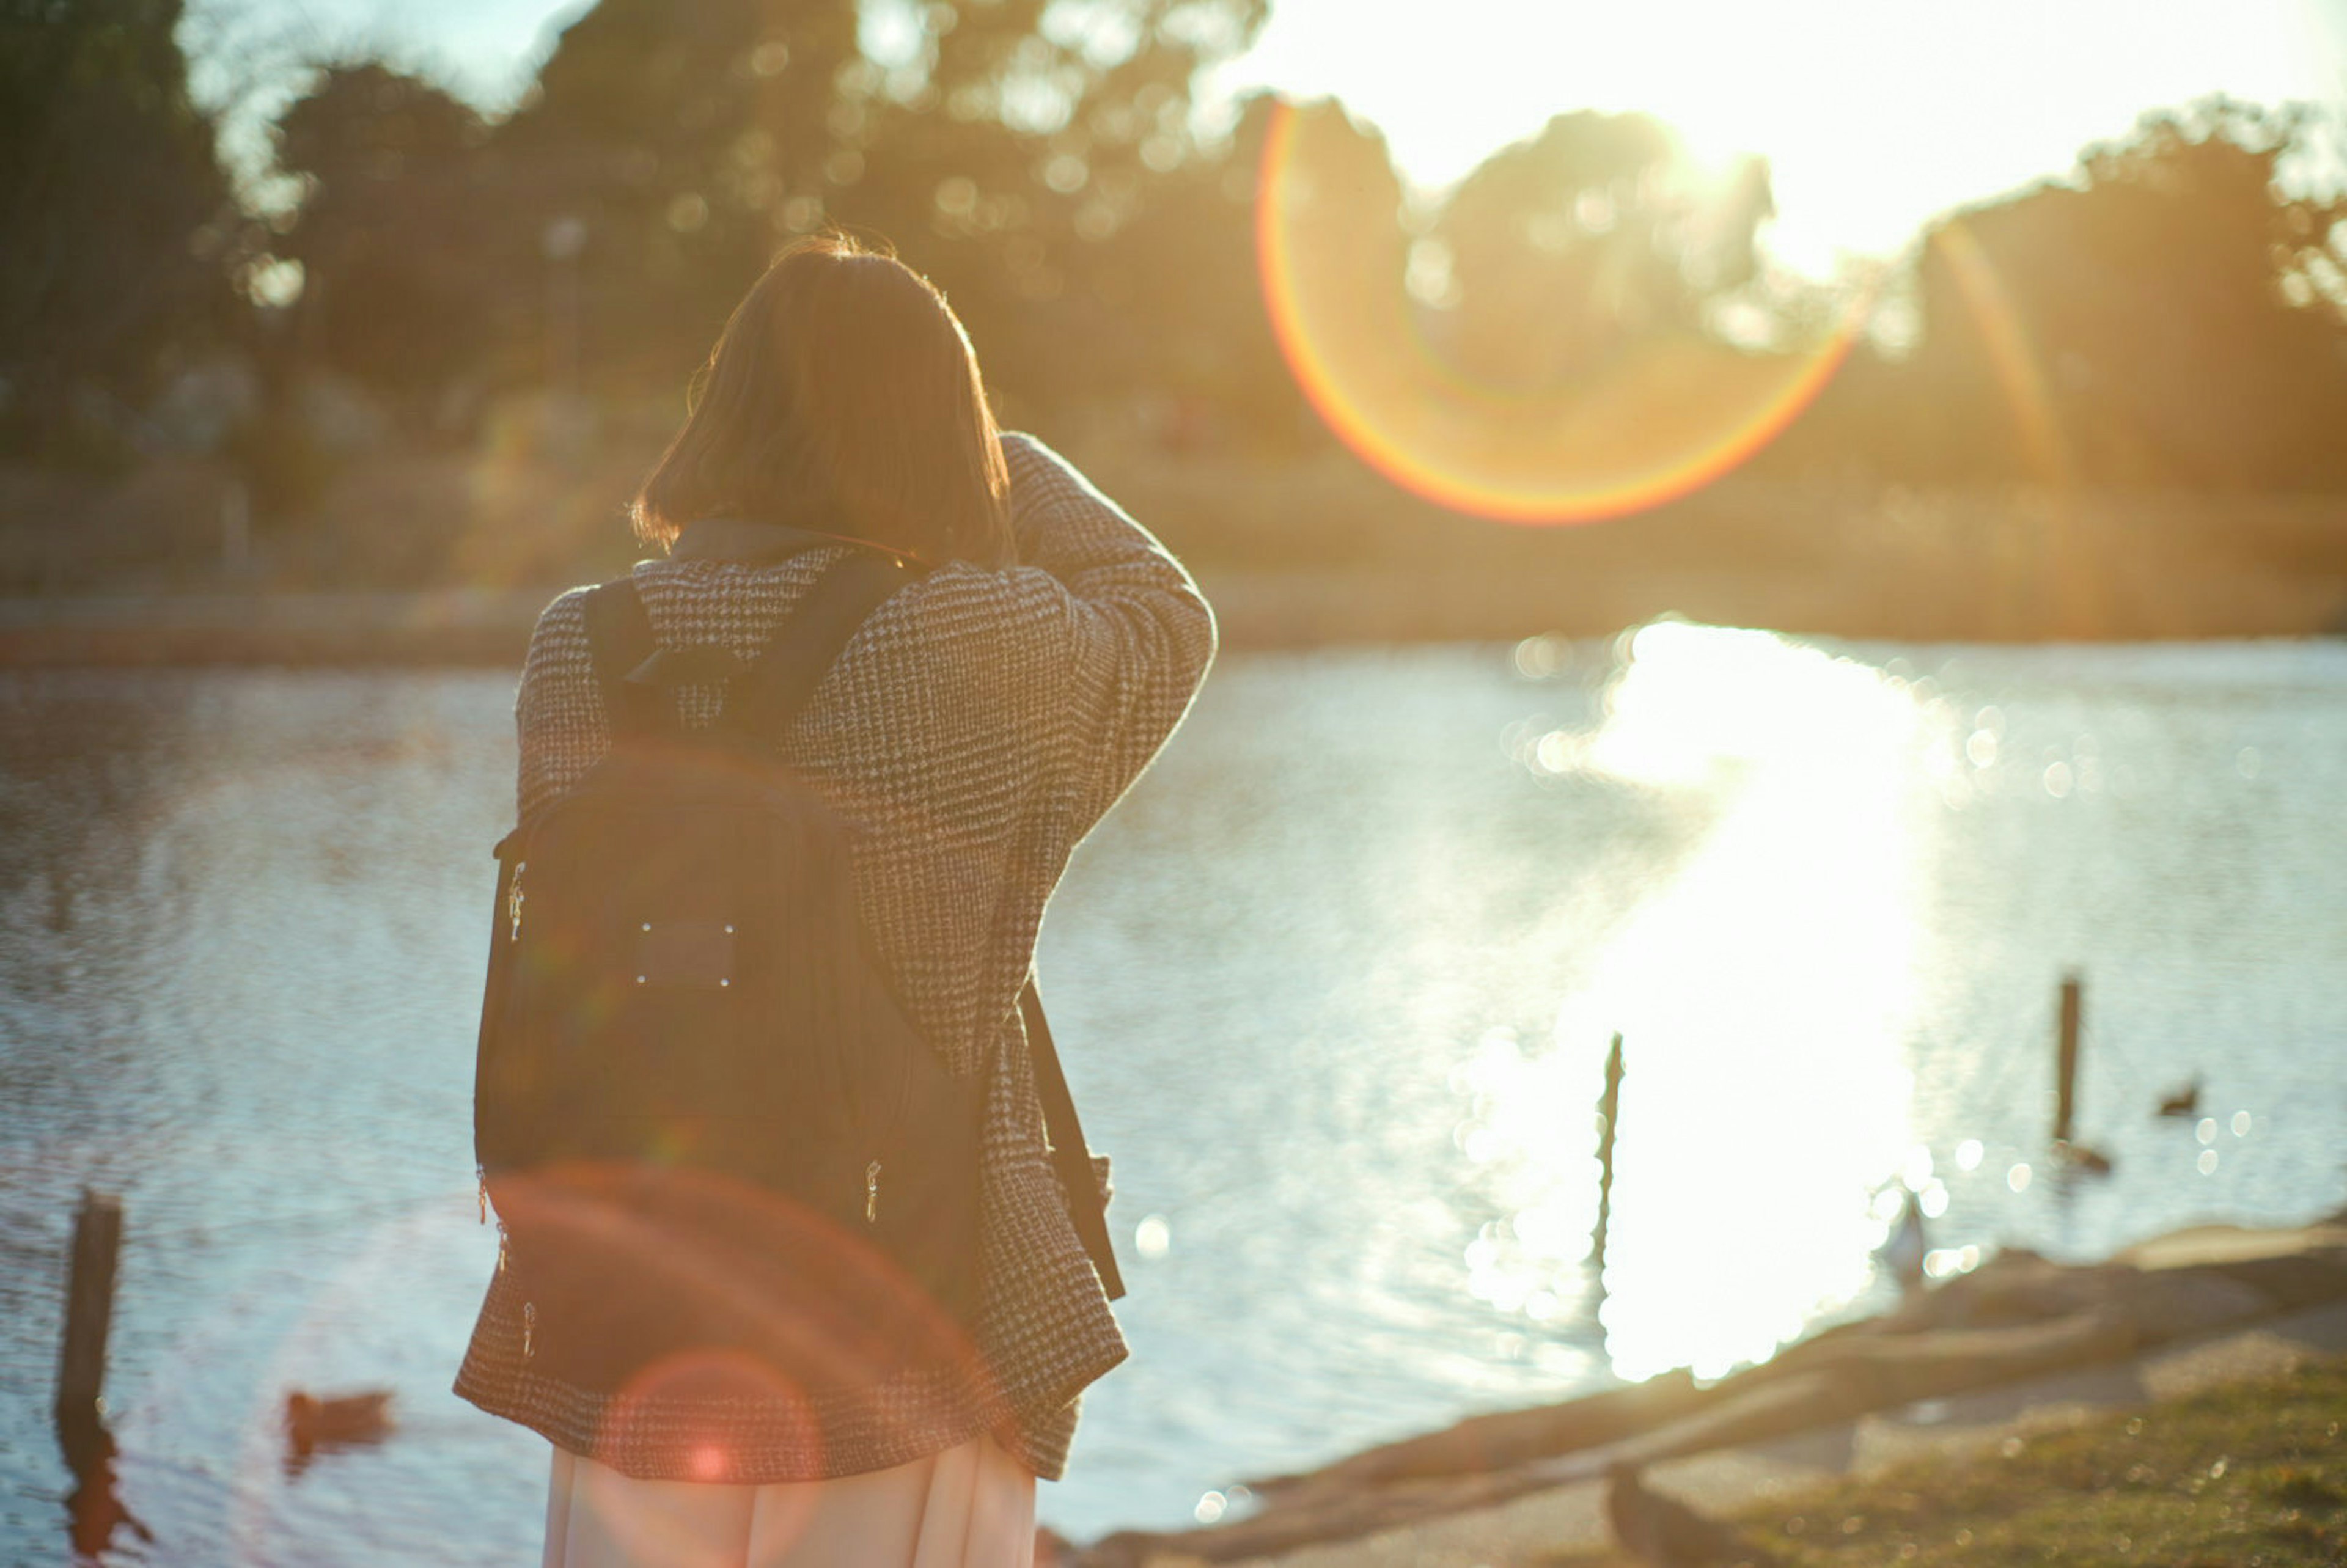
[[1568, 247], [392, 231], [666, 150], [119, 223], [2164, 321]]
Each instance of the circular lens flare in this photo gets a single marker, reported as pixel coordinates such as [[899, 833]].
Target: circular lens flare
[[1659, 415]]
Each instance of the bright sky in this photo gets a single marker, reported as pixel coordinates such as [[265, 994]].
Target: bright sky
[[1874, 114]]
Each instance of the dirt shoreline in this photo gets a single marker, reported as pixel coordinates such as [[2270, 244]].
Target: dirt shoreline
[[2018, 1317], [490, 628]]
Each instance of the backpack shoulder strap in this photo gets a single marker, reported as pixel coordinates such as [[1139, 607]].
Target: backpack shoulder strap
[[761, 703], [618, 639], [764, 702], [1070, 1155]]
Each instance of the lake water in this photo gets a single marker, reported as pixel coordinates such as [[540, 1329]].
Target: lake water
[[1335, 985]]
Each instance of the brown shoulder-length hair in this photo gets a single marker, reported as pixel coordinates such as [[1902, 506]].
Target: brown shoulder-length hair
[[843, 395]]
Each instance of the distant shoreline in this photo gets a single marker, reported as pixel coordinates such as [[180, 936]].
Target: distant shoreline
[[464, 628], [1297, 553]]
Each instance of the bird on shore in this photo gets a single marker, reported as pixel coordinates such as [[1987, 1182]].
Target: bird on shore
[[1664, 1532], [1908, 1244], [2184, 1101], [340, 1420]]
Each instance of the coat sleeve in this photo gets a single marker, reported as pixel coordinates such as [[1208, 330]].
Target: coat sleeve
[[1135, 633]]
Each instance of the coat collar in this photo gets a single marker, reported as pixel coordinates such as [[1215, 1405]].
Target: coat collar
[[744, 539]]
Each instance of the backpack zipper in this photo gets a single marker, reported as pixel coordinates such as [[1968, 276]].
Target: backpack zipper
[[872, 1170], [481, 1174]]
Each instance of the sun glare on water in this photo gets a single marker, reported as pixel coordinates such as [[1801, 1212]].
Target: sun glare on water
[[1763, 996]]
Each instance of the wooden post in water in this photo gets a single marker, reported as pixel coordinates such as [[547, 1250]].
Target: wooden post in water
[[90, 1314], [1609, 1116], [94, 1508], [2066, 1062]]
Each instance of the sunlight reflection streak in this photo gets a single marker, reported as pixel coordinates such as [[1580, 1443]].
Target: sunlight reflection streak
[[1763, 996]]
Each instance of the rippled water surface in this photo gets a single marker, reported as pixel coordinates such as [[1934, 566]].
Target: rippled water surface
[[1335, 985]]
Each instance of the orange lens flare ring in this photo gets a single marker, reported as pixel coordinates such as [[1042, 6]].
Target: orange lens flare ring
[[1663, 418]]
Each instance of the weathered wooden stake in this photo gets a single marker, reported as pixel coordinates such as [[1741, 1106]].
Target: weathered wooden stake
[[2066, 1064], [1609, 1116], [90, 1314]]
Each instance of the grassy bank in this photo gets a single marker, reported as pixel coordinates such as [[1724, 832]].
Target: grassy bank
[[2252, 1473]]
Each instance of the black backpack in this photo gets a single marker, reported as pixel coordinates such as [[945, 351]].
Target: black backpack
[[706, 1124]]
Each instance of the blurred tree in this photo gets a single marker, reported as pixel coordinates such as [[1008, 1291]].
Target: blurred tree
[[998, 142], [1559, 251], [662, 154], [2173, 319], [391, 231], [1184, 334], [1012, 142], [118, 220]]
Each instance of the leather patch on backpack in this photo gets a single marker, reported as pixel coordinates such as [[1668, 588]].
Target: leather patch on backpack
[[695, 954]]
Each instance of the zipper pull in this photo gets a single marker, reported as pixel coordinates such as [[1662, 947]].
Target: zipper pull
[[528, 1329], [872, 1192], [515, 898]]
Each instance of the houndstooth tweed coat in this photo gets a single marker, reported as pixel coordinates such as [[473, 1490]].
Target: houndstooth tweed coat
[[973, 731]]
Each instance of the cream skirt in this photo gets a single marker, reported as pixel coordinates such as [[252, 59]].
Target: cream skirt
[[969, 1507]]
